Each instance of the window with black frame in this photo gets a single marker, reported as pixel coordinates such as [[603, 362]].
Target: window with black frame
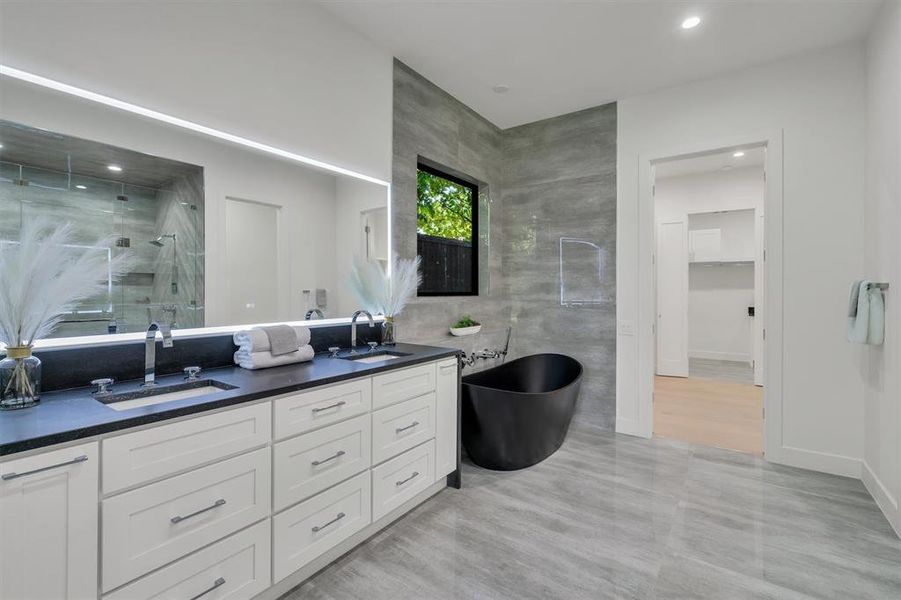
[[447, 233]]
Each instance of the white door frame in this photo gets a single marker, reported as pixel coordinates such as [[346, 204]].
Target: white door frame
[[773, 268]]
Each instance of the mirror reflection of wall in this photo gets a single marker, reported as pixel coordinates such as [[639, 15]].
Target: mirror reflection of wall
[[233, 275], [153, 206]]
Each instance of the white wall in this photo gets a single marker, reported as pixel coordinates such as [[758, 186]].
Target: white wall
[[352, 198], [818, 104], [718, 296], [307, 197], [882, 368], [284, 73]]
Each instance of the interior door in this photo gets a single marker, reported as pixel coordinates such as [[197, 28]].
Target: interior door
[[252, 259], [672, 299]]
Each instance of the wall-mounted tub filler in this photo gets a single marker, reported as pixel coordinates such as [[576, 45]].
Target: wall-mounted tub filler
[[486, 354]]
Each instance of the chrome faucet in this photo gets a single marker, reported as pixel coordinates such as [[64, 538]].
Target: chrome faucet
[[150, 350], [311, 312], [353, 328]]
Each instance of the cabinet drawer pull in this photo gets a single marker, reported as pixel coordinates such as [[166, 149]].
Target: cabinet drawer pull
[[318, 528], [410, 478], [410, 426], [216, 504], [335, 405], [446, 367], [337, 454], [218, 583], [74, 461]]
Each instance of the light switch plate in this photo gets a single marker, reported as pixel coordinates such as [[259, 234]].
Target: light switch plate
[[625, 327]]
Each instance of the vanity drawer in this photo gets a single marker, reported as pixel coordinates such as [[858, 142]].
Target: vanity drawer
[[307, 464], [146, 528], [305, 411], [237, 568], [397, 386], [401, 478], [305, 531], [157, 452], [402, 426]]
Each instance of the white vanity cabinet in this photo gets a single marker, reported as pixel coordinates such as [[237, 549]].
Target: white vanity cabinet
[[48, 525], [241, 503]]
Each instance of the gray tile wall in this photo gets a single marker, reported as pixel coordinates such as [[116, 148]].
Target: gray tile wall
[[539, 182], [560, 182], [431, 124]]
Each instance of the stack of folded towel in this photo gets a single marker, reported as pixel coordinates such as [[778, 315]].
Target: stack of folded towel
[[866, 314], [263, 347]]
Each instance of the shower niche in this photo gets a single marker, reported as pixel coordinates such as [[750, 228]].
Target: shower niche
[[152, 208]]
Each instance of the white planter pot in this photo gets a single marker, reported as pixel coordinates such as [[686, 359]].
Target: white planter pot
[[461, 331]]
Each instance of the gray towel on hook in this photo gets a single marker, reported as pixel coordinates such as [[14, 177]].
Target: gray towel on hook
[[852, 300], [282, 339]]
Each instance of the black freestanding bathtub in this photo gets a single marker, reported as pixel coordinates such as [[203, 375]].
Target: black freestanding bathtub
[[517, 414]]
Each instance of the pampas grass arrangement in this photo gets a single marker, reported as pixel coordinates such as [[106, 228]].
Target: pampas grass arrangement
[[380, 294], [44, 277]]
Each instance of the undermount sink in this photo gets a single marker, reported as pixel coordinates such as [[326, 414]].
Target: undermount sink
[[163, 393], [374, 357]]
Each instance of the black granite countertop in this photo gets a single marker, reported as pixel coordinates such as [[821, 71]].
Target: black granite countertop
[[68, 415]]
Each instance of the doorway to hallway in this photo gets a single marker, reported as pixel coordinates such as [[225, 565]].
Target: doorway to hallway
[[709, 220]]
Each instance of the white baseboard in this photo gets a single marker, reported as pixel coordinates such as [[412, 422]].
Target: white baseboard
[[886, 502], [631, 427], [714, 355], [813, 460]]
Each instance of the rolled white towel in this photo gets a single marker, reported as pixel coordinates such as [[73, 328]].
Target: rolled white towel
[[256, 340], [264, 360]]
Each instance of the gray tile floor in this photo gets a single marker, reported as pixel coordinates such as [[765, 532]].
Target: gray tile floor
[[727, 370], [612, 516]]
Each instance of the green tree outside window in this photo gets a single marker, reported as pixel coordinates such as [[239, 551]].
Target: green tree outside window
[[443, 208]]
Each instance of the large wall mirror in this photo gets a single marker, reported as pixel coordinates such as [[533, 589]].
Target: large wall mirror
[[216, 234]]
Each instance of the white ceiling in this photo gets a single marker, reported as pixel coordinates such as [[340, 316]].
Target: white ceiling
[[558, 56], [711, 163]]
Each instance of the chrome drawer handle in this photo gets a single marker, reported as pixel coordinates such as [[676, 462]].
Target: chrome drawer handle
[[335, 405], [318, 528], [337, 454], [446, 367], [410, 426], [74, 461], [216, 504], [410, 478], [218, 583]]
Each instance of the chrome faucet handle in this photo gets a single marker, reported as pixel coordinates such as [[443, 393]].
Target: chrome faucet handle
[[191, 373], [334, 351], [372, 346], [103, 384]]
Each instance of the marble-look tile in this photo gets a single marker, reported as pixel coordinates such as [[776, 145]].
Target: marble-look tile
[[611, 516], [538, 183]]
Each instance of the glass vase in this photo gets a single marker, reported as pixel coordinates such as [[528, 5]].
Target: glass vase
[[20, 378], [389, 332]]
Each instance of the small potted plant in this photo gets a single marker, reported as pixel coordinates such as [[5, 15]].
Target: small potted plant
[[465, 326]]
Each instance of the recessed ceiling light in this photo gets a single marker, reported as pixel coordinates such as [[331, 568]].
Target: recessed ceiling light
[[81, 187], [1, 145], [738, 154], [691, 22], [501, 88], [115, 168]]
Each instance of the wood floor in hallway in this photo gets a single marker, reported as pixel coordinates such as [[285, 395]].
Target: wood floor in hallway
[[709, 412]]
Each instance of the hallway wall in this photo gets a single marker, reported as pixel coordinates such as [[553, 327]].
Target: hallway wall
[[817, 104]]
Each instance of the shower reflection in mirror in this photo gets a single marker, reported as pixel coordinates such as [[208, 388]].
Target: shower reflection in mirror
[[152, 206]]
